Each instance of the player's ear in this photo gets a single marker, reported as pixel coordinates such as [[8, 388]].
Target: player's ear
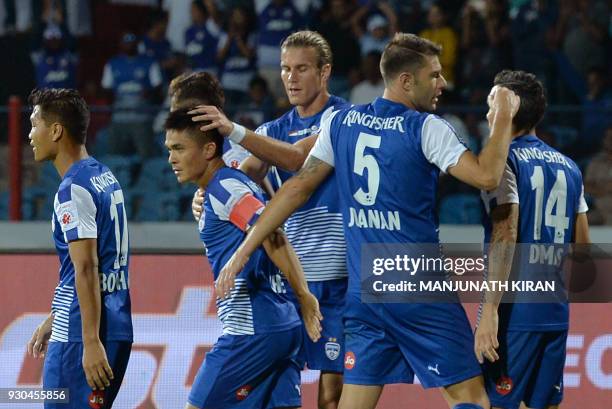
[[406, 80], [210, 149], [325, 72], [57, 131]]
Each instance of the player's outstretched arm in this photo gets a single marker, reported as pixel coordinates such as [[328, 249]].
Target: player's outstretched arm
[[84, 256], [291, 196], [485, 170], [581, 229], [274, 152], [504, 219], [281, 252], [37, 346]]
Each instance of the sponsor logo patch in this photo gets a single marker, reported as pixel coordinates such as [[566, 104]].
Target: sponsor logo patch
[[349, 360], [96, 399], [504, 385], [243, 392]]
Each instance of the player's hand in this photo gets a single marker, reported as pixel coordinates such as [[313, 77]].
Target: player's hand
[[37, 346], [505, 101], [311, 315], [226, 280], [95, 364], [196, 204], [217, 119], [485, 339]]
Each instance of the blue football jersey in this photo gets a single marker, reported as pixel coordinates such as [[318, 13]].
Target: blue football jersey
[[232, 203], [55, 69], [275, 23], [89, 205], [314, 230], [201, 45], [387, 159], [547, 186]]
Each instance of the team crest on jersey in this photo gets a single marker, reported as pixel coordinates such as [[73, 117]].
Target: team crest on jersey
[[504, 385], [243, 392], [332, 349], [349, 360], [96, 399], [67, 216]]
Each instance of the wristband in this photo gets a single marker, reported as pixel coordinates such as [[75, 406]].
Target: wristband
[[237, 134]]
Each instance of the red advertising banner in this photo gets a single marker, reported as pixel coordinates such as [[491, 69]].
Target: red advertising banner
[[175, 324]]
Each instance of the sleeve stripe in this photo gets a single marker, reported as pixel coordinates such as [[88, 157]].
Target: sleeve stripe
[[244, 210]]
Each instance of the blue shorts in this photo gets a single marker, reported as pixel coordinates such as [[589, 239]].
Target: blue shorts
[[64, 369], [389, 343], [250, 371], [326, 354], [529, 369]]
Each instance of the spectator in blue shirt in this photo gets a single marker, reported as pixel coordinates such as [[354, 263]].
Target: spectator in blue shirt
[[202, 37], [237, 55], [134, 82], [55, 66], [154, 44]]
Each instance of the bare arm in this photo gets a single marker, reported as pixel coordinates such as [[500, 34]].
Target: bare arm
[[581, 229], [83, 254], [485, 170], [292, 195], [283, 255], [504, 219], [284, 155]]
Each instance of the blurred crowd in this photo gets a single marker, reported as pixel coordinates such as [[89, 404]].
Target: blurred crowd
[[121, 55]]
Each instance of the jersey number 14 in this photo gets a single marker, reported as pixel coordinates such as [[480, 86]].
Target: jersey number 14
[[557, 200]]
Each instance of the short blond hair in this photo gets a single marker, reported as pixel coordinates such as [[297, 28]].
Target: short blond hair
[[307, 38]]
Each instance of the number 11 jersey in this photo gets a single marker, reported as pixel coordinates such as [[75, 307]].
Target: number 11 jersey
[[89, 205]]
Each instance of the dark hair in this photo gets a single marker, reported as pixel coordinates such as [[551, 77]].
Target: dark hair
[[156, 17], [180, 120], [531, 92], [307, 38], [196, 88], [405, 52], [65, 106]]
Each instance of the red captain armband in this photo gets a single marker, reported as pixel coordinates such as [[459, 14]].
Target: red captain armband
[[245, 211]]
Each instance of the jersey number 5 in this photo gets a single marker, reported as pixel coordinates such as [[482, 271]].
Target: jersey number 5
[[557, 199], [363, 162]]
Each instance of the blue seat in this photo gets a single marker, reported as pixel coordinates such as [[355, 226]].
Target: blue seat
[[122, 167], [4, 205], [156, 175], [461, 208], [159, 207]]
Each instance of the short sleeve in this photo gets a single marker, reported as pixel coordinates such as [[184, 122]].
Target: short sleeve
[[76, 213], [582, 204], [233, 201], [107, 77], [441, 145], [235, 155], [155, 75], [506, 192], [323, 148]]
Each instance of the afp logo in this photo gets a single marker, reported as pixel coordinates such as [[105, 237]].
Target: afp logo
[[349, 360], [332, 349], [504, 385], [96, 399]]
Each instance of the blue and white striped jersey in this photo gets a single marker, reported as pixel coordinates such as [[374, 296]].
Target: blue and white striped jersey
[[89, 205], [232, 203], [315, 230]]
